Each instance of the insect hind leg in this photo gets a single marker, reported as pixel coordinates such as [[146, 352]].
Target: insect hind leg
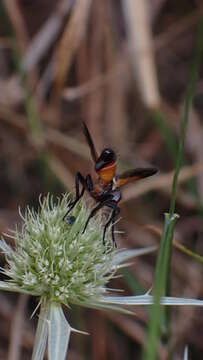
[[93, 213], [116, 211], [101, 204]]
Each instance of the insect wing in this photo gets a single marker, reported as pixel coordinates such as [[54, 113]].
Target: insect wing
[[90, 142], [134, 174]]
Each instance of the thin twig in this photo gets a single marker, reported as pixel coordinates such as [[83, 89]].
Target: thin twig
[[157, 231]]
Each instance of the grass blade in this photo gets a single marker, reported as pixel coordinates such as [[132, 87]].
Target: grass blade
[[126, 255]]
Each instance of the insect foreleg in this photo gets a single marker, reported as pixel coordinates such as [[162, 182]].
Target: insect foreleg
[[79, 179]]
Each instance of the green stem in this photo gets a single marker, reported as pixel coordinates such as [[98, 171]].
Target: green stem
[[159, 285], [162, 273]]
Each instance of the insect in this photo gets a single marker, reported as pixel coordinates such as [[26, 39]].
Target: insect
[[106, 190], [70, 220]]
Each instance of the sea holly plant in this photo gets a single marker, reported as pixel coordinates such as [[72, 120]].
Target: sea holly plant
[[55, 261]]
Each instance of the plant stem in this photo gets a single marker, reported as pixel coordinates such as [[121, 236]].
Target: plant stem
[[162, 273]]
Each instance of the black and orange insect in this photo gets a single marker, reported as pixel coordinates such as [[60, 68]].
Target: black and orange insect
[[106, 190]]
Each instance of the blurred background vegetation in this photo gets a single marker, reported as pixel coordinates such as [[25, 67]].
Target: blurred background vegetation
[[122, 67]]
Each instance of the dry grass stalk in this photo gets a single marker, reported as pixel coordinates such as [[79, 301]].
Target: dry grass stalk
[[141, 50], [45, 37], [177, 29], [117, 71], [115, 112], [72, 36], [92, 107], [18, 23]]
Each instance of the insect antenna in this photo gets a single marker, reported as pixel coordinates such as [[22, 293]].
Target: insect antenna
[[90, 142]]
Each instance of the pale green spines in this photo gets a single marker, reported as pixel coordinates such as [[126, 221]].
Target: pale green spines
[[55, 260]]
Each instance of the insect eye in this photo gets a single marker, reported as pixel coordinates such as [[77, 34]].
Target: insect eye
[[108, 155]]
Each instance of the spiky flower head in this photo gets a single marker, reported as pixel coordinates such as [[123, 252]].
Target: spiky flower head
[[55, 260]]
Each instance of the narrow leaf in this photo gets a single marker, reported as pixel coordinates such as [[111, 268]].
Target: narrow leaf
[[125, 255], [42, 333], [186, 353], [8, 286], [148, 300], [5, 248], [59, 333], [101, 305]]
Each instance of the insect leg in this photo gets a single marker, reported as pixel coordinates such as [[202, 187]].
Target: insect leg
[[93, 213], [79, 179], [116, 211], [89, 183]]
